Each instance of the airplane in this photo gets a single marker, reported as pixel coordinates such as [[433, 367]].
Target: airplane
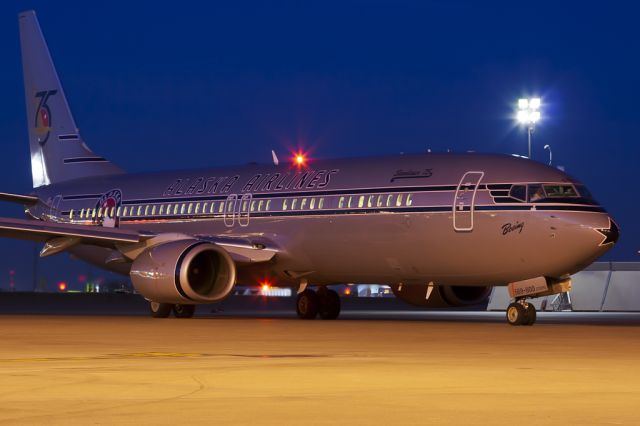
[[439, 229]]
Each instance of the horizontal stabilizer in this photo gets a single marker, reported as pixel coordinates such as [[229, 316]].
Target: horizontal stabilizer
[[26, 200]]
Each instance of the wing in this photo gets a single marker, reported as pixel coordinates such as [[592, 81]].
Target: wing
[[61, 236]]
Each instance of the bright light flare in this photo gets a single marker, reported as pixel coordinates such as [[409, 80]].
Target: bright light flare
[[299, 159], [265, 287], [534, 103], [62, 286], [529, 110]]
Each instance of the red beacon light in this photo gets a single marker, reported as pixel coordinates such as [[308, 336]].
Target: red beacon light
[[299, 159]]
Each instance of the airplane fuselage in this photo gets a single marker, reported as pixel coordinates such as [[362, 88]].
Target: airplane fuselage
[[450, 219]]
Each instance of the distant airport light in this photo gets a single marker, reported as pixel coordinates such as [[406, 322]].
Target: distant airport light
[[265, 287], [347, 291], [62, 286], [529, 114]]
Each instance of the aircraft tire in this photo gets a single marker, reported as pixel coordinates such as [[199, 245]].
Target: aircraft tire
[[329, 305], [184, 311], [307, 304], [516, 314], [530, 314], [160, 310]]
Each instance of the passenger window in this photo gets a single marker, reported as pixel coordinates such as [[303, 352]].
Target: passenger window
[[379, 202], [93, 213], [82, 214], [389, 200], [321, 204], [175, 209], [118, 210], [268, 205], [260, 203], [518, 192], [146, 210], [303, 204], [284, 204], [399, 200], [349, 204], [312, 203], [190, 208], [71, 214], [361, 201], [139, 211], [161, 212], [293, 203], [220, 208], [153, 210], [100, 212], [253, 206], [124, 211], [409, 201], [341, 203]]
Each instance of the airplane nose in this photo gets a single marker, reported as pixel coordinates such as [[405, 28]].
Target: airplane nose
[[610, 234]]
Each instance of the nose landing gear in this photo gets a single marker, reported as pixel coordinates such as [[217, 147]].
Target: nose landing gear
[[521, 313]]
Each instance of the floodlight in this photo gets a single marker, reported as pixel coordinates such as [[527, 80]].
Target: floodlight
[[523, 116], [534, 103], [523, 103], [534, 116]]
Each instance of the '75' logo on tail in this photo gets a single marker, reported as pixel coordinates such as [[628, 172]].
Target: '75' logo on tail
[[43, 116]]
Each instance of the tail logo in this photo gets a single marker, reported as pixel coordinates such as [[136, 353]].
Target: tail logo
[[43, 116]]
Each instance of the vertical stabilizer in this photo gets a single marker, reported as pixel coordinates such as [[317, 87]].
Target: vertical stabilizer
[[58, 152]]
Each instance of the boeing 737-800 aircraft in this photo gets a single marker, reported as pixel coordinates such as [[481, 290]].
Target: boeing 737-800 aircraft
[[440, 229]]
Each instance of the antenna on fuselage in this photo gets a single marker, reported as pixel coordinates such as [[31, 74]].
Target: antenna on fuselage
[[275, 158]]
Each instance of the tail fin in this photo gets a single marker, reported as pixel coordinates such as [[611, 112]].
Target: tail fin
[[58, 152]]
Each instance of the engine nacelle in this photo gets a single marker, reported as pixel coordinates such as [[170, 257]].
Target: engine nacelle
[[184, 271], [441, 296]]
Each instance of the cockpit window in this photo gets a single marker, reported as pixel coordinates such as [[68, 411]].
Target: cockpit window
[[536, 193], [560, 191], [585, 194], [519, 192]]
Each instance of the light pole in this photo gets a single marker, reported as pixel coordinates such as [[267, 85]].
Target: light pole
[[529, 115]]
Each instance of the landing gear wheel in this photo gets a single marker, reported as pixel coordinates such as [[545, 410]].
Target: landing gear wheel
[[307, 304], [531, 315], [516, 314], [160, 310], [184, 311], [329, 305]]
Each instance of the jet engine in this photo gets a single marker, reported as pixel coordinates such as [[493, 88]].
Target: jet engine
[[441, 296], [184, 271]]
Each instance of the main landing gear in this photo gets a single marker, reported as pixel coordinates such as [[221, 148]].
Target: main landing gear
[[521, 312], [324, 302], [163, 310]]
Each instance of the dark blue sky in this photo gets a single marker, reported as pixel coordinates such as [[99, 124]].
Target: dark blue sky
[[155, 86]]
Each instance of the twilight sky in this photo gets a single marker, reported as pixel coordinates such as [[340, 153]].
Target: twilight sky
[[184, 84]]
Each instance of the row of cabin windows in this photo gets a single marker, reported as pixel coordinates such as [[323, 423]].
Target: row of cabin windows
[[169, 209], [371, 201], [304, 203]]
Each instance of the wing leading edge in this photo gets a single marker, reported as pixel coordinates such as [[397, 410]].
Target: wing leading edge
[[60, 236]]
